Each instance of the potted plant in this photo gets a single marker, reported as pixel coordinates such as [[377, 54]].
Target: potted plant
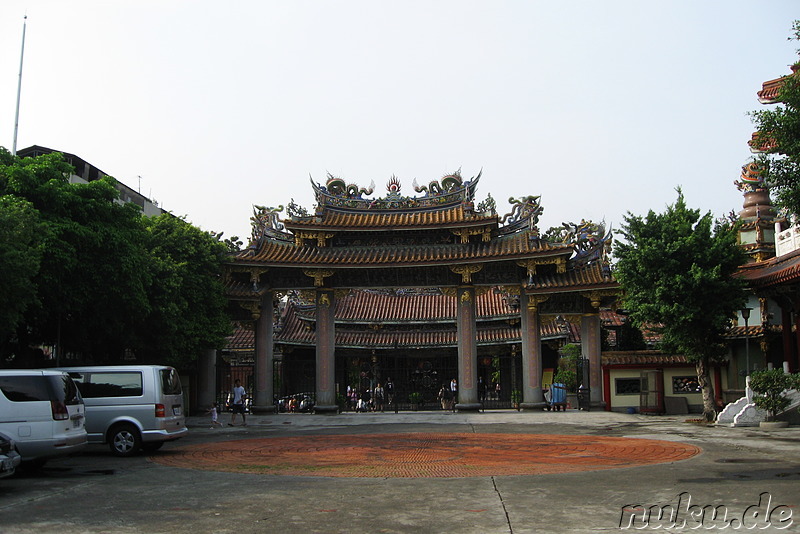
[[415, 398], [769, 386], [516, 399]]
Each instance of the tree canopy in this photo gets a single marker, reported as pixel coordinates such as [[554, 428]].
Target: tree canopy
[[92, 276], [778, 133], [677, 272]]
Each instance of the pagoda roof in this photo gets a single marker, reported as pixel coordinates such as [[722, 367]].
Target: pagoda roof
[[502, 248], [772, 272], [368, 307], [376, 221], [296, 330], [770, 90]]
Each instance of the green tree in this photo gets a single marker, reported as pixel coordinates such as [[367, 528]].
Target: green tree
[[20, 257], [677, 272], [778, 132], [188, 304], [93, 276], [92, 273]]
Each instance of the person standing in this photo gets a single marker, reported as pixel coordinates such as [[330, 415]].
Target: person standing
[[378, 397], [389, 391], [238, 396]]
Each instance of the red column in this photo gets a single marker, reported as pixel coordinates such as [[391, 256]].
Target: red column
[[532, 395], [262, 401], [467, 350], [326, 344], [607, 388]]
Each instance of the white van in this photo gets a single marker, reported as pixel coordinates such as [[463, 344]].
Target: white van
[[131, 407], [42, 411]]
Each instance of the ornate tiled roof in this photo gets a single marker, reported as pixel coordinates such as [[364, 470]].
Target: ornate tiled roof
[[242, 339], [338, 221], [769, 90], [774, 271], [516, 246], [296, 331], [593, 276], [370, 306]]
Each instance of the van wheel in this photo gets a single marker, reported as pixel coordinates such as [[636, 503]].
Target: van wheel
[[124, 440]]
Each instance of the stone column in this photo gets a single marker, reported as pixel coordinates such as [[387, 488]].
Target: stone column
[[262, 399], [207, 379], [590, 349], [467, 350], [786, 333], [326, 345], [532, 396]]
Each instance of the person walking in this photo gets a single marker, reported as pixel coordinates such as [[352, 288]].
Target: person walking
[[238, 396], [214, 412]]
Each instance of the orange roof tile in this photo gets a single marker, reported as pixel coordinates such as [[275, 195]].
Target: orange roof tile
[[769, 90], [515, 246], [331, 220]]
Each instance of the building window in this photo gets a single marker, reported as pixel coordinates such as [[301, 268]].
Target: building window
[[685, 384], [628, 386]]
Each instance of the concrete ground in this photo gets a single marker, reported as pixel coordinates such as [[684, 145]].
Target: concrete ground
[[750, 474]]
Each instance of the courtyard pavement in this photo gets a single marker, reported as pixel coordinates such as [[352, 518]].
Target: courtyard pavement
[[598, 472]]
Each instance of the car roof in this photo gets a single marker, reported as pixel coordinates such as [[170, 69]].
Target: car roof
[[31, 372]]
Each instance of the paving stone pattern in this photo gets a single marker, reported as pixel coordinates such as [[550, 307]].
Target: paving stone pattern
[[425, 455]]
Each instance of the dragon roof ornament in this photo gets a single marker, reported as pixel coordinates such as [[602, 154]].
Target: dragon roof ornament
[[451, 190]]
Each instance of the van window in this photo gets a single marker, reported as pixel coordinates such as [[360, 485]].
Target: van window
[[25, 388], [65, 390], [170, 382], [111, 384], [39, 388]]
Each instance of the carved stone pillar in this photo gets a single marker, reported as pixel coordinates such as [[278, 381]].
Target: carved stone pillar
[[532, 397], [262, 399], [467, 350], [207, 379], [590, 349], [326, 345]]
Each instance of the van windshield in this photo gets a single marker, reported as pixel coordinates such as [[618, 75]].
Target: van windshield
[[170, 382]]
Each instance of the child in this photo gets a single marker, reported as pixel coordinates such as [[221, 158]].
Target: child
[[213, 411]]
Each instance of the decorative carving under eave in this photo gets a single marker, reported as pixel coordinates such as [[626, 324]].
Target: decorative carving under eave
[[253, 307], [319, 275], [321, 237], [324, 301], [530, 265], [449, 291], [255, 276], [484, 231], [596, 297], [535, 300], [465, 297], [466, 271]]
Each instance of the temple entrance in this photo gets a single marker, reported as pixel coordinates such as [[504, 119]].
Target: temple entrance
[[422, 289], [415, 371]]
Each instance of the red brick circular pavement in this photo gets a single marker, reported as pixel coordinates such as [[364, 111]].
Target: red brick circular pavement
[[413, 455]]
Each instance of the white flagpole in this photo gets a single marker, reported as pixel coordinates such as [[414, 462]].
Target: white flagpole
[[19, 86]]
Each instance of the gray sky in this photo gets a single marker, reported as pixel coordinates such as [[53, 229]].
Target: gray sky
[[600, 107]]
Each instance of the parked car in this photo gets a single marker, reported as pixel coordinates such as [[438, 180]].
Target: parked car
[[131, 407], [9, 457], [43, 412]]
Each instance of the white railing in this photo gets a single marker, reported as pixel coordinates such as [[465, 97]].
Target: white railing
[[787, 241]]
